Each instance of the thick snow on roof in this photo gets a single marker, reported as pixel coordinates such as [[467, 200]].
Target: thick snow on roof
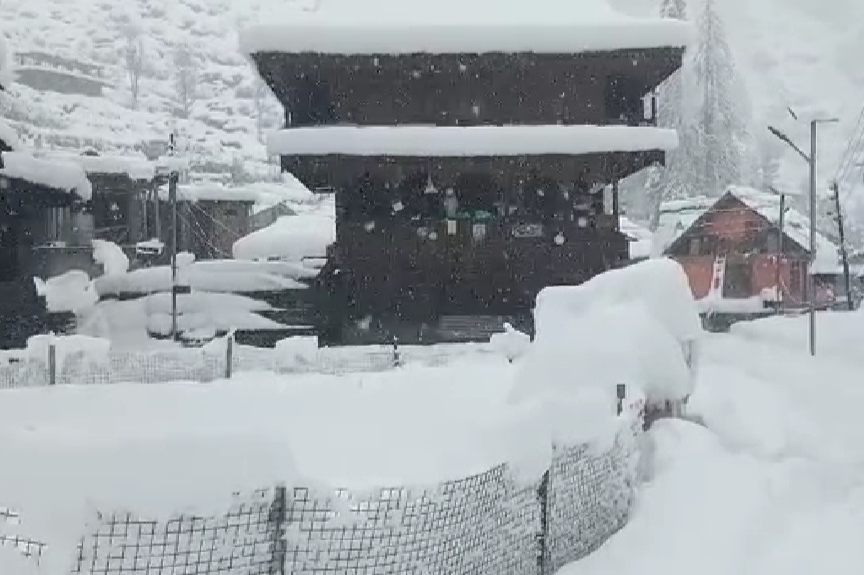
[[795, 225], [137, 168], [457, 26], [211, 192], [468, 141], [290, 238], [5, 66], [56, 174]]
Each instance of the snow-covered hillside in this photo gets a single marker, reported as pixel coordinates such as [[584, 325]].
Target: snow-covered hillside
[[796, 53], [221, 134], [800, 54]]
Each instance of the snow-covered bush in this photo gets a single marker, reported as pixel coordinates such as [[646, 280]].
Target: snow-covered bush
[[633, 326]]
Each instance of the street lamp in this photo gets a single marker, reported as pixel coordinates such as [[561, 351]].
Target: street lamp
[[811, 161]]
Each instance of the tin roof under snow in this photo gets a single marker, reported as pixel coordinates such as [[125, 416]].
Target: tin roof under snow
[[461, 26]]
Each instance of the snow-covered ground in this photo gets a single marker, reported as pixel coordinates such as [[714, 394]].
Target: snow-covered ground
[[775, 484]]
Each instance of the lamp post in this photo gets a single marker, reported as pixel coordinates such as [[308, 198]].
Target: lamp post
[[811, 161]]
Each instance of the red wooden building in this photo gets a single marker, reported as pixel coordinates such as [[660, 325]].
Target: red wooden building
[[737, 259]]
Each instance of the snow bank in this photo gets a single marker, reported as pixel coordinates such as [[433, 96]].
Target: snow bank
[[468, 141], [184, 447], [838, 334], [660, 284], [451, 26], [290, 238], [511, 343], [633, 326], [93, 349], [111, 257], [50, 173], [297, 349]]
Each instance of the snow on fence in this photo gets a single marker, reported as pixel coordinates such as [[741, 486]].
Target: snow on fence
[[492, 523], [78, 366]]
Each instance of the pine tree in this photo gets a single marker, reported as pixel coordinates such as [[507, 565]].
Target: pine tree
[[721, 133], [664, 182]]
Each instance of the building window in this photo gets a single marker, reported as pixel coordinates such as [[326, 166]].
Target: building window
[[695, 246]]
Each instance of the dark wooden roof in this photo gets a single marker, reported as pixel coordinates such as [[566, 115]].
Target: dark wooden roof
[[459, 89], [342, 172]]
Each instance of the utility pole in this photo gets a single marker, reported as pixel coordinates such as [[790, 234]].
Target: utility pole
[[779, 256], [844, 255], [811, 161], [173, 176], [811, 284]]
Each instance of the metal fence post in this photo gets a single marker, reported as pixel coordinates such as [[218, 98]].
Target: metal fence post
[[276, 525], [229, 356], [52, 364], [543, 535], [621, 392], [397, 359]]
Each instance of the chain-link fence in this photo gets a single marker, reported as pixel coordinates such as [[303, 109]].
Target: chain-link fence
[[494, 523], [206, 365]]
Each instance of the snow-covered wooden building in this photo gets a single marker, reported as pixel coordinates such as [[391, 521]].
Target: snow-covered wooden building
[[475, 150], [30, 189], [737, 258]]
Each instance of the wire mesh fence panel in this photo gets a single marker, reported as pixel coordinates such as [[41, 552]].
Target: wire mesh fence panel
[[23, 373], [482, 525], [182, 364], [242, 541], [29, 548], [589, 498]]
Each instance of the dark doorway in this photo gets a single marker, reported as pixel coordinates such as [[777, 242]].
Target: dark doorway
[[738, 282]]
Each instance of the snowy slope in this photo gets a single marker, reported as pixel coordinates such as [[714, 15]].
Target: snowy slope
[[796, 53], [222, 129]]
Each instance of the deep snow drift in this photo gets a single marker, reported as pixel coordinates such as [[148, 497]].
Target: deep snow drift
[[775, 484]]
